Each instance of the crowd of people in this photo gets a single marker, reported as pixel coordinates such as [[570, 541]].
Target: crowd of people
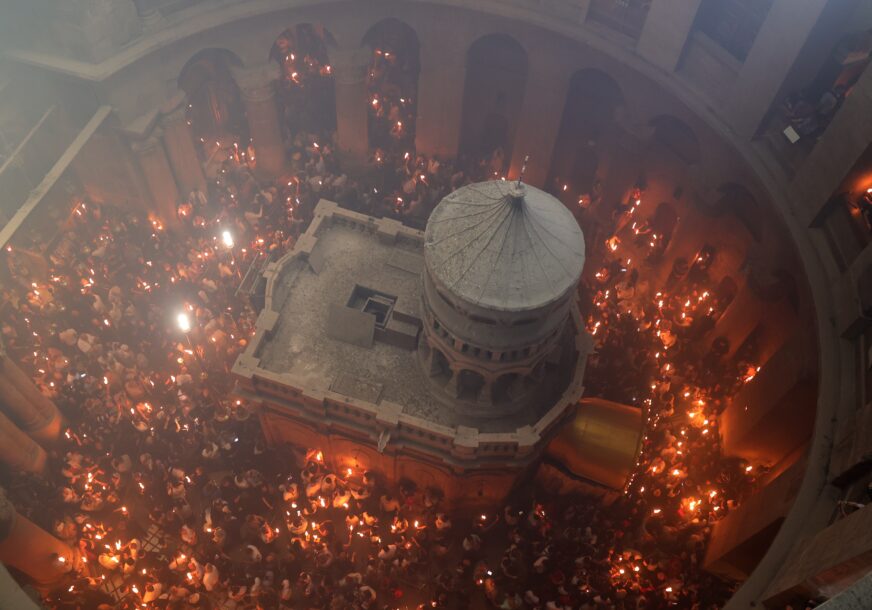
[[392, 85], [170, 496]]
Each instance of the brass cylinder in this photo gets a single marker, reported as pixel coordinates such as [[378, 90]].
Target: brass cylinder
[[600, 443]]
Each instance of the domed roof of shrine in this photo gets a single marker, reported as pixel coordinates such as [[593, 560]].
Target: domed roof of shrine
[[504, 246]]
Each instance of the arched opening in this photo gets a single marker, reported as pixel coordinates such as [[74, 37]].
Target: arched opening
[[672, 150], [215, 110], [470, 385], [737, 200], [698, 273], [724, 294], [655, 233], [588, 114], [664, 220], [307, 99], [496, 78], [392, 84], [675, 136], [505, 387]]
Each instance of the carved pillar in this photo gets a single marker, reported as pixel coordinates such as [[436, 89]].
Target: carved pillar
[[440, 99], [19, 451], [35, 413], [350, 66], [430, 364], [159, 177], [179, 143], [776, 47], [258, 87], [453, 387], [31, 550]]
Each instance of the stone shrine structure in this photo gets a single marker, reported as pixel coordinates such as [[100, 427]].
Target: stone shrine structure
[[502, 265], [484, 300]]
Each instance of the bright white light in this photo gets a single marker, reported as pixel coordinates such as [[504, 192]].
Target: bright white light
[[184, 322], [227, 239]]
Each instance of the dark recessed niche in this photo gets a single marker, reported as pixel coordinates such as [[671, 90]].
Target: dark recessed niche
[[379, 304]]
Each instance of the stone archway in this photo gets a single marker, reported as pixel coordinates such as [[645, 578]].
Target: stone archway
[[392, 85], [496, 77]]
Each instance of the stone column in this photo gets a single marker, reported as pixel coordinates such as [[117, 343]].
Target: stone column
[[440, 99], [178, 140], [665, 32], [539, 124], [19, 451], [840, 146], [751, 523], [778, 44], [773, 413], [35, 412], [258, 87], [350, 66], [31, 550], [159, 178], [453, 386]]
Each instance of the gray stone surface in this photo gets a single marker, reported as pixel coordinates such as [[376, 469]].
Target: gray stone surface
[[300, 343], [857, 597], [499, 251], [350, 325]]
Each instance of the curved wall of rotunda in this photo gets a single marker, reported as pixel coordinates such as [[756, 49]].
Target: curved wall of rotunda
[[603, 119]]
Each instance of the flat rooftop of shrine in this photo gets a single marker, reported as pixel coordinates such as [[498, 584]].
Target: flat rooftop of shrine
[[342, 316]]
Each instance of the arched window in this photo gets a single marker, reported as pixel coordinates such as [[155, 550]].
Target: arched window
[[470, 385], [505, 387], [589, 113], [496, 78], [675, 136], [307, 98], [215, 108], [392, 84]]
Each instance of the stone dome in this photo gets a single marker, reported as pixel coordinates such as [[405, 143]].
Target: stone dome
[[504, 246]]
